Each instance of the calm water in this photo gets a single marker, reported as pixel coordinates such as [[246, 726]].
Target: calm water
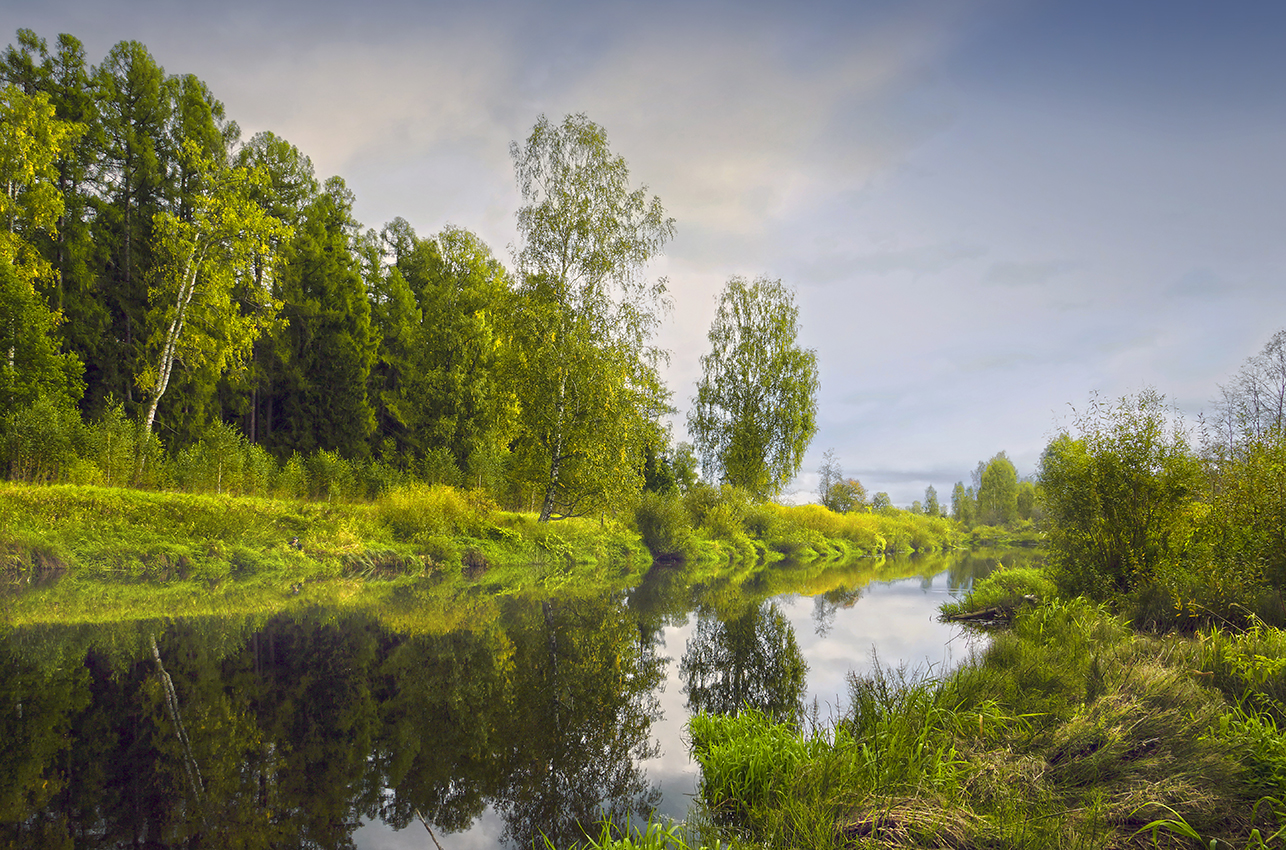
[[334, 729]]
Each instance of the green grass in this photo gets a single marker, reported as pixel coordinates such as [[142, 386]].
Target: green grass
[[1069, 730]]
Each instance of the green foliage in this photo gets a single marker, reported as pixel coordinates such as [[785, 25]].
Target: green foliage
[[998, 492], [417, 512], [1007, 590], [748, 760], [1068, 725], [39, 442], [756, 405], [1121, 497], [586, 371], [331, 477], [664, 524], [964, 507]]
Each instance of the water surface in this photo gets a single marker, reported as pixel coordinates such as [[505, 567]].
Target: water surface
[[333, 728]]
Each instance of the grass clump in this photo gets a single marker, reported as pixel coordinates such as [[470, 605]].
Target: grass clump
[[1003, 592]]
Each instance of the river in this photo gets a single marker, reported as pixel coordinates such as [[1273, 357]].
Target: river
[[341, 728]]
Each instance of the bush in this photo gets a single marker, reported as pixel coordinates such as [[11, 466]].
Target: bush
[[292, 481], [418, 512], [39, 442], [663, 523], [1120, 497], [110, 444], [331, 478]]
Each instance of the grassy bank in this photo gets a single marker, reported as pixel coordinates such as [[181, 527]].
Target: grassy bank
[[188, 553], [86, 553], [1069, 730]]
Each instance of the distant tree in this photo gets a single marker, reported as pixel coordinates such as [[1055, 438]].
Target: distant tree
[[828, 474], [881, 502], [846, 496], [931, 506], [1028, 500], [756, 405], [1253, 404], [998, 493], [964, 507]]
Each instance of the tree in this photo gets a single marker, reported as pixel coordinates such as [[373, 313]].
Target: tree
[[931, 506], [587, 373], [1119, 496], [326, 352], [31, 140], [756, 406], [964, 507], [998, 492], [202, 312], [135, 106], [828, 474], [1253, 404]]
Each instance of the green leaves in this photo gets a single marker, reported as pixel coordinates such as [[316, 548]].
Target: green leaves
[[1116, 496], [208, 304], [756, 406], [589, 390]]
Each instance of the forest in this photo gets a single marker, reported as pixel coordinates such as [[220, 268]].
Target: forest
[[189, 309]]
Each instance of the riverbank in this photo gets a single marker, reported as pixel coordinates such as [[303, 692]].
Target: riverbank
[[89, 553], [1070, 729]]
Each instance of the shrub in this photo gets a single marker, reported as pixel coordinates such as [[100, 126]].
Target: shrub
[[1119, 497], [417, 512], [39, 442], [330, 477], [663, 523], [292, 481]]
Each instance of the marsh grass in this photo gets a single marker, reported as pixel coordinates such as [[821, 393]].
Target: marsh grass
[[1068, 730]]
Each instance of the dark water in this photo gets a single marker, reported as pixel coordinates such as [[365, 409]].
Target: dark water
[[322, 728]]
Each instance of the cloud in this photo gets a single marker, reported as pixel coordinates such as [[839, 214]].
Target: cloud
[[1023, 274], [1200, 283], [928, 259]]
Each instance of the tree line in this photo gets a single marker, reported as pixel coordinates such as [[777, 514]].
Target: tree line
[[161, 271]]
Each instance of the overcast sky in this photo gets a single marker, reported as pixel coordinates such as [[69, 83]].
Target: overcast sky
[[989, 210]]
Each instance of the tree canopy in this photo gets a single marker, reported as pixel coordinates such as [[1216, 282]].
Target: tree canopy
[[586, 370], [755, 410]]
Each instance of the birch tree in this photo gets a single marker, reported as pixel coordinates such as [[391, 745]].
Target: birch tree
[[587, 372], [206, 304], [756, 406]]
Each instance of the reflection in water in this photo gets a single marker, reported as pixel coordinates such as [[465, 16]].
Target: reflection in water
[[299, 727], [310, 724], [751, 660]]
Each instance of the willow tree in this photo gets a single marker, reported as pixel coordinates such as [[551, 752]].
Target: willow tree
[[756, 406], [585, 366], [206, 305]]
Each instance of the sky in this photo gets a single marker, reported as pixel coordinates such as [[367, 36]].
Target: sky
[[990, 211]]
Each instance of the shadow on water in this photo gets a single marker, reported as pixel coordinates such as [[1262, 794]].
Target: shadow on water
[[314, 727]]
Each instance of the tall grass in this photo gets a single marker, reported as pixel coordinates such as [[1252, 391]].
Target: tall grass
[[1067, 730]]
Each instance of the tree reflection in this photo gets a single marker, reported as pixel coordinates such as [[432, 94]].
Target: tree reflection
[[751, 660], [581, 721]]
